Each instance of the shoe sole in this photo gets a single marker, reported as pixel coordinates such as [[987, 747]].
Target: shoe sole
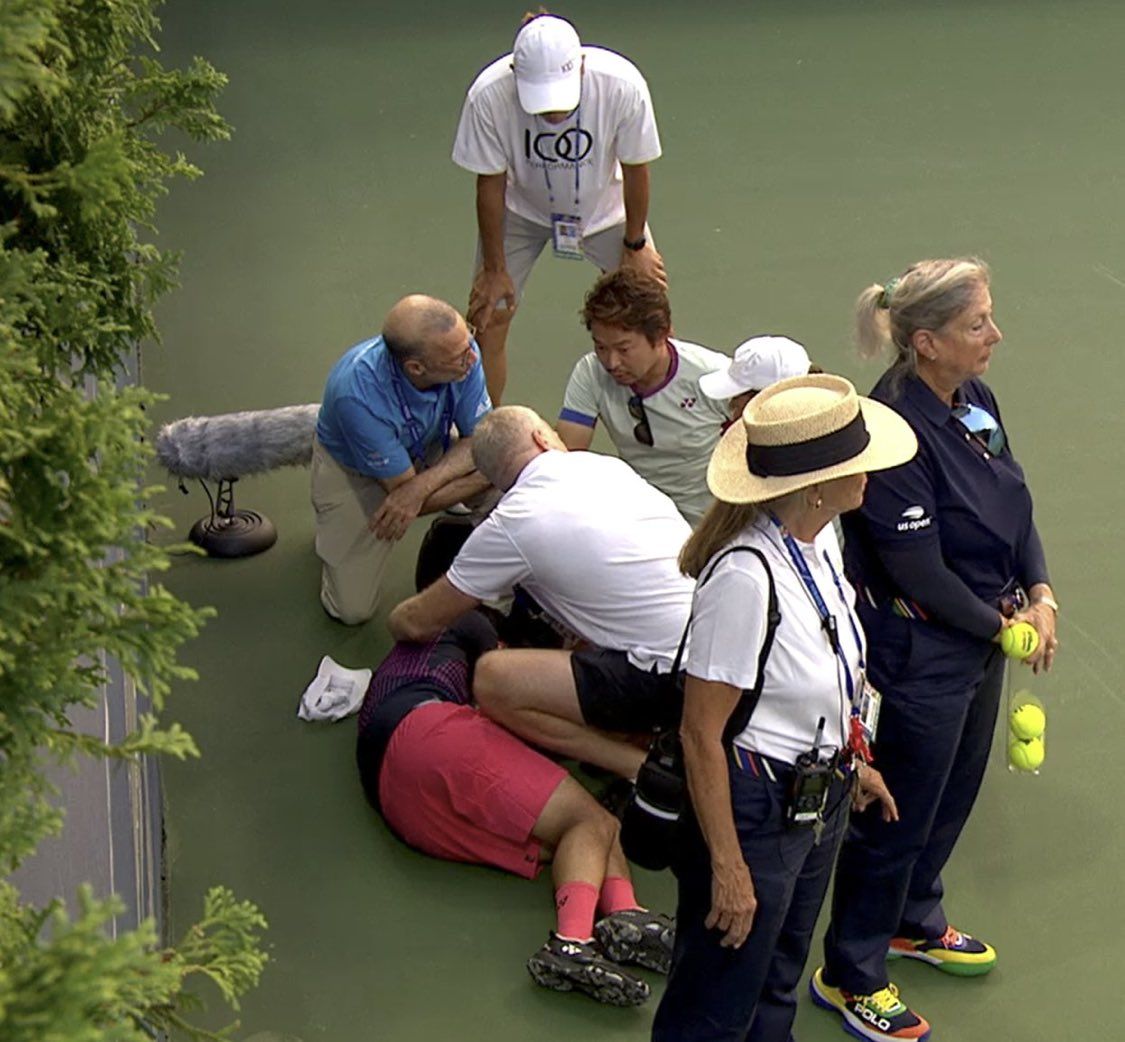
[[850, 1022], [627, 942], [956, 969], [606, 986]]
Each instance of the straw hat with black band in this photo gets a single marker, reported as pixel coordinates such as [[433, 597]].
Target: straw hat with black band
[[803, 431]]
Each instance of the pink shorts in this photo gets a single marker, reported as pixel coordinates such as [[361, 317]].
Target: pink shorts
[[457, 786]]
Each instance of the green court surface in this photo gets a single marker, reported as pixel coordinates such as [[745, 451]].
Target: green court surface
[[810, 148]]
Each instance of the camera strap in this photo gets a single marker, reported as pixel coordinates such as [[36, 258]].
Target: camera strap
[[652, 818], [745, 708]]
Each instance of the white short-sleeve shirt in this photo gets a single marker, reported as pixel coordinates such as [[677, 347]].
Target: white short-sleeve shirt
[[596, 545], [804, 680], [613, 124], [685, 423]]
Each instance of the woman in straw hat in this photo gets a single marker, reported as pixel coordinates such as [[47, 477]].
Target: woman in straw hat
[[755, 860], [946, 556]]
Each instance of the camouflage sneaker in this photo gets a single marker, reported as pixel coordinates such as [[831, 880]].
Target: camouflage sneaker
[[563, 965], [638, 937]]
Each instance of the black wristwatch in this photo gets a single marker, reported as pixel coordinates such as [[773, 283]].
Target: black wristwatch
[[636, 244]]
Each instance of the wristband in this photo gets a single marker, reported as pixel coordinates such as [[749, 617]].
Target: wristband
[[1049, 601], [636, 244]]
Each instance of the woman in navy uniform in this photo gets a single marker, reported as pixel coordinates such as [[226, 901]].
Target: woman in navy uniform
[[945, 555]]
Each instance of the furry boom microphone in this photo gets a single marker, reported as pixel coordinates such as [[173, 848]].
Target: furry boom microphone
[[223, 449]]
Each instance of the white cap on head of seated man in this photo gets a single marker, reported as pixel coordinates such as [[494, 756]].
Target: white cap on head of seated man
[[757, 363], [547, 62]]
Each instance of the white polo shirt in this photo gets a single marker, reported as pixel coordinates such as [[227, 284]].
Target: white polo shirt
[[596, 545], [685, 423], [804, 679], [613, 122]]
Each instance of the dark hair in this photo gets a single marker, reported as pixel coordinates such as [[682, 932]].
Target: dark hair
[[630, 300]]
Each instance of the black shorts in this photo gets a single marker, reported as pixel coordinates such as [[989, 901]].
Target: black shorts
[[615, 695]]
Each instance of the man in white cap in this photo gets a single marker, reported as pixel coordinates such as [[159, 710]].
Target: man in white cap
[[560, 137], [757, 363]]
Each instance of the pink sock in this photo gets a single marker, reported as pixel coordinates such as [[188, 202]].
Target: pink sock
[[574, 908], [616, 896]]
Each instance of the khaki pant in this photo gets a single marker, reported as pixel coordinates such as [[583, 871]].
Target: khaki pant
[[354, 561]]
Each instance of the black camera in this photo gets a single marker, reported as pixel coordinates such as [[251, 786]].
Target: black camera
[[651, 824]]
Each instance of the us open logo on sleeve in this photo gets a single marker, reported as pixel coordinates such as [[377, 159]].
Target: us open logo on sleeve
[[914, 518]]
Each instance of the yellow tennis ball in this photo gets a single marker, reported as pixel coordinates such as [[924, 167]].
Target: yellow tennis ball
[[1028, 721], [1026, 755], [1019, 640]]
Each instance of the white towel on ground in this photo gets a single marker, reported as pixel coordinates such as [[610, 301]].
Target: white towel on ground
[[334, 693]]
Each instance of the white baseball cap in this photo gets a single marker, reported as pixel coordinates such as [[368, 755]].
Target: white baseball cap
[[547, 61], [757, 363]]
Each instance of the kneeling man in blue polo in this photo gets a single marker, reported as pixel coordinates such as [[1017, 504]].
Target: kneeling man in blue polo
[[392, 442]]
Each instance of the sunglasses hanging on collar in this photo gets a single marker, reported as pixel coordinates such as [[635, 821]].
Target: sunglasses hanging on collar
[[642, 431], [983, 426]]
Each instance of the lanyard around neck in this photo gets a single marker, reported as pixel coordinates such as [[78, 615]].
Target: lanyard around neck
[[413, 425], [827, 619], [577, 161]]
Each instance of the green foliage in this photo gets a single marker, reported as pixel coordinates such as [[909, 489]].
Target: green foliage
[[83, 101], [86, 986]]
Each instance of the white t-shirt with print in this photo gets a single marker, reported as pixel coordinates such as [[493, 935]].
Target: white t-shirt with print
[[613, 124], [595, 545], [804, 678], [685, 423]]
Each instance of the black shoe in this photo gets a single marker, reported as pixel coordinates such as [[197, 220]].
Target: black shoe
[[567, 965], [638, 937]]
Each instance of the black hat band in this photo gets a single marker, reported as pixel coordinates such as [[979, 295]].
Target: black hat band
[[778, 461]]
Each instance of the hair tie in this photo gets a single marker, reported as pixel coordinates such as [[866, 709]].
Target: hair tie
[[888, 292]]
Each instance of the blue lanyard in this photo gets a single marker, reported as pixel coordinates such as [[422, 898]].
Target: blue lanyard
[[828, 620], [577, 162], [848, 610], [413, 425]]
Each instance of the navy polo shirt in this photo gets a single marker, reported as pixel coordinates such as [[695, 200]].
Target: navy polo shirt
[[974, 505]]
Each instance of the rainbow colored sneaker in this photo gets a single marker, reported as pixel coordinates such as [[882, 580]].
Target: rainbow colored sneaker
[[879, 1016], [953, 952]]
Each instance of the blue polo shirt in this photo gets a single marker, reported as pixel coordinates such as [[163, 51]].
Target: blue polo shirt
[[375, 421], [954, 493]]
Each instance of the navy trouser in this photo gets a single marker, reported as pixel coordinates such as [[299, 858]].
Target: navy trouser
[[750, 993], [935, 732]]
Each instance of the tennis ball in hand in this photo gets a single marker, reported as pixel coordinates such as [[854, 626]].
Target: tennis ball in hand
[[1028, 721], [1026, 755], [1019, 640]]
